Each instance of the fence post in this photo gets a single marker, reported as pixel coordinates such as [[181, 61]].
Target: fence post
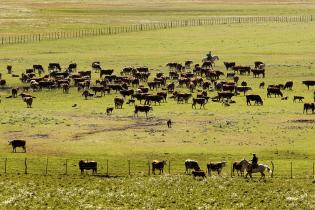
[[5, 165], [231, 169], [106, 167], [129, 168], [291, 171], [149, 168], [169, 167], [46, 166], [25, 163], [313, 170], [66, 167]]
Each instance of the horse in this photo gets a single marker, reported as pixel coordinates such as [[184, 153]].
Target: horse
[[261, 168], [212, 60], [239, 167]]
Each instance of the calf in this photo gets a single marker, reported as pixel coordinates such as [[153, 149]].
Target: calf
[[275, 91], [199, 173], [215, 167], [109, 110], [17, 143], [300, 98], [28, 101]]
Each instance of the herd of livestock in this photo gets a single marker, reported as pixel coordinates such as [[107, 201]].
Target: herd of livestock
[[137, 84], [191, 166]]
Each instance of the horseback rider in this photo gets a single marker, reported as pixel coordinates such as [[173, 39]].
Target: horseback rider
[[254, 161], [209, 56]]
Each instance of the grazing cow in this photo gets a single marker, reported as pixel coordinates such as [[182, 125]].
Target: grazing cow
[[142, 108], [275, 91], [39, 68], [242, 69], [229, 65], [18, 143], [201, 101], [88, 165], [182, 97], [255, 98], [131, 101], [72, 67], [169, 123], [187, 64], [191, 164], [309, 83], [153, 98], [109, 110], [87, 94], [215, 167], [308, 106], [158, 164], [289, 85], [3, 82], [163, 95], [199, 173], [118, 102], [300, 98]]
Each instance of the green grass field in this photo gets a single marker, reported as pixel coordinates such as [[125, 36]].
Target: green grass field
[[53, 129]]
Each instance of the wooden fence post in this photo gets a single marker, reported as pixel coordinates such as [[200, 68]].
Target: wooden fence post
[[129, 168], [5, 165], [106, 167], [291, 171], [313, 170], [169, 167], [149, 168], [66, 167], [46, 171], [25, 164]]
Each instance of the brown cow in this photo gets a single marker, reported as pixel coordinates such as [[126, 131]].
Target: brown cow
[[157, 164], [215, 167], [17, 143]]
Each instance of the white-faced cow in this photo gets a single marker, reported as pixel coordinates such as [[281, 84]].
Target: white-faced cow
[[18, 143], [191, 164], [159, 165]]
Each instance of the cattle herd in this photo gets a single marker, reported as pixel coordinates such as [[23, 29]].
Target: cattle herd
[[137, 84]]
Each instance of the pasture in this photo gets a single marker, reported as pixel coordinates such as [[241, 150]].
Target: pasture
[[56, 130]]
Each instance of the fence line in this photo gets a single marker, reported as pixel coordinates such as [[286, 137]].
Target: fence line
[[111, 30], [127, 168]]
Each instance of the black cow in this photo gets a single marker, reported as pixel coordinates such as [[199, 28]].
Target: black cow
[[39, 68], [201, 101], [229, 65], [243, 89], [96, 66], [157, 164], [308, 106], [125, 93], [14, 92], [274, 91], [199, 173], [259, 64], [142, 108], [118, 102], [54, 66], [288, 85], [18, 143], [98, 89], [255, 98], [309, 83], [88, 165], [225, 94], [215, 167], [106, 72], [109, 110], [153, 98], [300, 98], [3, 82], [191, 164], [28, 101]]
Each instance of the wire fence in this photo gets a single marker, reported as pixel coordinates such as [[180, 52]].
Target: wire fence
[[119, 168], [110, 30]]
